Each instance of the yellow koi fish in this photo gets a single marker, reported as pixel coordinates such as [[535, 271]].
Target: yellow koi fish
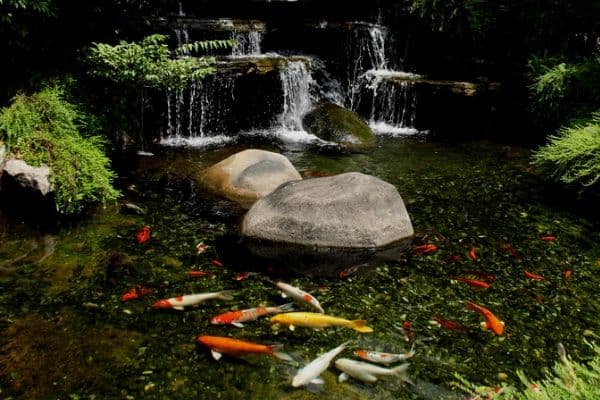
[[316, 321]]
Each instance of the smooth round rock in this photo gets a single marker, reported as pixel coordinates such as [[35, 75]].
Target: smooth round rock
[[249, 175], [351, 210]]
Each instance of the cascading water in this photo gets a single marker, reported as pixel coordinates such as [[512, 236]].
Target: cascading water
[[247, 44], [297, 100]]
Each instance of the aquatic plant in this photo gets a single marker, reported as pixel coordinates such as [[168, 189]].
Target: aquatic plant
[[573, 155], [45, 129]]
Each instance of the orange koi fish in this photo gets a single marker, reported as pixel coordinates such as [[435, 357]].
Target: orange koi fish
[[236, 318], [196, 273], [471, 282], [425, 249], [548, 238], [136, 292], [472, 254], [143, 235], [568, 274], [491, 321], [219, 345], [533, 276], [451, 325]]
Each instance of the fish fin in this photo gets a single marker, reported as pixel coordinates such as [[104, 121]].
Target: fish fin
[[225, 295], [276, 350], [178, 308], [237, 324], [317, 381], [216, 355], [286, 307], [292, 328], [360, 325], [400, 371], [343, 377], [283, 295]]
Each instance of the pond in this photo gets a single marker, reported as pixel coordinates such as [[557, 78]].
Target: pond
[[66, 333]]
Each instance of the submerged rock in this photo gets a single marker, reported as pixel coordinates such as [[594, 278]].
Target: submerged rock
[[347, 211], [34, 179], [249, 175], [336, 124]]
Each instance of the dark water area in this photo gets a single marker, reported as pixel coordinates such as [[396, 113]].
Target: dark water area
[[66, 333]]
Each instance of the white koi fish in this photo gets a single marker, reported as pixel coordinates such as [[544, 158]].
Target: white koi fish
[[366, 372], [300, 295], [383, 358], [311, 371], [180, 302]]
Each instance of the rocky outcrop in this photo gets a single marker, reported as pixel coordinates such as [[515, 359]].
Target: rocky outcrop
[[351, 210], [28, 178], [333, 123], [249, 175]]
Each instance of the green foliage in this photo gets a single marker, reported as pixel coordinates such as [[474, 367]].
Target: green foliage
[[573, 156], [45, 129], [568, 380], [562, 90], [151, 63], [8, 8]]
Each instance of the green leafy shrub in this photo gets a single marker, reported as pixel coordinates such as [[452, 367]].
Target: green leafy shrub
[[573, 156], [45, 129]]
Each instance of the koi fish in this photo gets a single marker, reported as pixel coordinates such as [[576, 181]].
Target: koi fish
[[223, 345], [316, 321], [491, 321], [406, 328], [236, 318], [548, 238], [311, 371], [180, 302], [348, 271], [471, 282], [136, 292], [453, 259], [217, 263], [383, 358], [300, 295], [425, 249], [143, 235], [196, 273], [568, 274], [451, 325], [472, 254], [366, 372], [318, 174], [512, 251], [242, 276], [201, 248], [533, 276]]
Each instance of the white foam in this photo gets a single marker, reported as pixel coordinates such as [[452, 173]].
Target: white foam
[[384, 129], [196, 142], [386, 73]]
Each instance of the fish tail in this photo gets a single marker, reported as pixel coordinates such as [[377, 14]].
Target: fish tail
[[360, 325], [286, 307], [400, 371], [276, 350], [225, 295]]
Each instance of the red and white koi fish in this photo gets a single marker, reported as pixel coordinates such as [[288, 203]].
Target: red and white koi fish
[[491, 321], [533, 276], [223, 345], [201, 248], [236, 318], [143, 235], [383, 358], [180, 302], [300, 295]]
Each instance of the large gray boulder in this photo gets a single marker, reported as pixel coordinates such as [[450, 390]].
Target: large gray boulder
[[249, 175], [351, 210], [28, 178], [333, 123]]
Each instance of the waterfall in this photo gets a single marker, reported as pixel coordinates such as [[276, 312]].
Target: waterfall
[[297, 101], [247, 44]]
